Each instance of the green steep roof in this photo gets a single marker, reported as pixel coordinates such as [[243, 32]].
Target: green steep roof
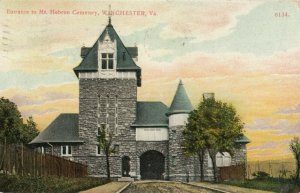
[[243, 139], [64, 129], [90, 62], [181, 102], [151, 114]]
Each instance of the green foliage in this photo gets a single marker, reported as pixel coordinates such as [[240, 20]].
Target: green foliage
[[295, 148], [47, 184], [194, 138], [194, 141], [12, 128], [222, 125], [261, 175], [105, 142], [29, 131], [271, 184], [10, 122], [214, 126]]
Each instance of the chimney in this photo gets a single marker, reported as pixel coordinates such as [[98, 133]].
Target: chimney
[[208, 95], [133, 52], [84, 51]]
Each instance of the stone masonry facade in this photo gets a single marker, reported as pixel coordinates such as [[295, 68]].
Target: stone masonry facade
[[110, 100]]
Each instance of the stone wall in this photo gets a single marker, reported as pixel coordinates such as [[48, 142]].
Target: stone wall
[[181, 167], [240, 155], [111, 102]]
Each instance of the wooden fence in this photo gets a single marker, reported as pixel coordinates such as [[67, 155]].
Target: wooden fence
[[275, 168], [19, 160], [234, 172]]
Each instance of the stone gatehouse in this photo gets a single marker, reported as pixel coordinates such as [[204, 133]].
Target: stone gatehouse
[[147, 135]]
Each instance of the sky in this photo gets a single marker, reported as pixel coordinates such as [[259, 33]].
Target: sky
[[246, 52]]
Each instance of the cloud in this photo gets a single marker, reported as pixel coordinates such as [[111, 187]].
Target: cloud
[[281, 126], [270, 35], [269, 145], [199, 64], [27, 80], [22, 100], [291, 110], [41, 95], [194, 24], [32, 112]]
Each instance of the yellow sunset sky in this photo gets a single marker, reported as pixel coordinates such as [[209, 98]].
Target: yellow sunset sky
[[246, 52]]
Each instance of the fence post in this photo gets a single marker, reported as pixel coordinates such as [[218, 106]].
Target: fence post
[[270, 168], [249, 171], [4, 158], [41, 165], [22, 159]]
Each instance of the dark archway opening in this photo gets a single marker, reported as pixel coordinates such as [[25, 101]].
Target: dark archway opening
[[152, 164], [125, 166]]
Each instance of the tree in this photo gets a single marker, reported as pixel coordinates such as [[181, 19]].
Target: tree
[[29, 131], [105, 142], [193, 139], [295, 148], [216, 128], [12, 128], [10, 122]]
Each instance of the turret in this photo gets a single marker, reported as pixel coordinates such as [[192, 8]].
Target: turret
[[180, 108]]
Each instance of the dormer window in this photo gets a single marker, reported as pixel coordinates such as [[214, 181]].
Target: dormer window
[[107, 61]]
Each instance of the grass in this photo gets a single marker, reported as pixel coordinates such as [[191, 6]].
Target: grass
[[47, 184], [270, 184]]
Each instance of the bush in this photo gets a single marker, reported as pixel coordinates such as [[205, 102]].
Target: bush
[[270, 184], [47, 184], [260, 175]]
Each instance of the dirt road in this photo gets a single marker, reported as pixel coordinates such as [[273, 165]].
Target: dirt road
[[161, 187]]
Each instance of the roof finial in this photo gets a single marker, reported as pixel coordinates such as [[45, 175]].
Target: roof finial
[[109, 15]]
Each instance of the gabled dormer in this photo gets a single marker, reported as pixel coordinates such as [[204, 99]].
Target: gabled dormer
[[109, 58]]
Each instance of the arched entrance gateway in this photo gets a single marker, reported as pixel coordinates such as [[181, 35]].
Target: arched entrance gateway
[[125, 166], [152, 165]]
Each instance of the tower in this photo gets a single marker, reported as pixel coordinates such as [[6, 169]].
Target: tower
[[178, 114], [108, 80]]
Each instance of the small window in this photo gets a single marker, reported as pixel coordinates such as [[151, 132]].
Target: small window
[[104, 64], [98, 130], [98, 150], [107, 61], [66, 150], [110, 64], [174, 160], [40, 150], [116, 148]]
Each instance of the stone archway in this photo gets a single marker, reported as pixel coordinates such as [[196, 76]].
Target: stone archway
[[125, 166], [152, 165]]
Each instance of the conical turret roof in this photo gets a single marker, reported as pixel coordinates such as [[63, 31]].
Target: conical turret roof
[[181, 102]]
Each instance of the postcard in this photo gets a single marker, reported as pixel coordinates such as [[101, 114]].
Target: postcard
[[138, 68]]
